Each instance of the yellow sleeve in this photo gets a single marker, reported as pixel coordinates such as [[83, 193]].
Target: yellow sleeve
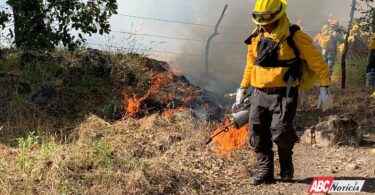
[[317, 38], [313, 57], [371, 44], [246, 80]]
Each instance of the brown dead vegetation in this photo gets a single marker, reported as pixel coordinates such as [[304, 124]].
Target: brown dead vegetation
[[156, 153]]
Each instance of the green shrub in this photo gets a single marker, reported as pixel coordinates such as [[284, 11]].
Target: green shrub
[[111, 109]]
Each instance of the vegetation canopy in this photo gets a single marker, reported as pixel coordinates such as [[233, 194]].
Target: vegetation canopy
[[52, 22], [367, 16]]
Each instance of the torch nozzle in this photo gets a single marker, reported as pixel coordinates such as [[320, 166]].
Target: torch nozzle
[[208, 141]]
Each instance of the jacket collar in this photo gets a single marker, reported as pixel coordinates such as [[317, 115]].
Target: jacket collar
[[281, 32]]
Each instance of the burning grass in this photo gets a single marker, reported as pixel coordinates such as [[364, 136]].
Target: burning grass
[[56, 93], [129, 125], [133, 104], [230, 141]]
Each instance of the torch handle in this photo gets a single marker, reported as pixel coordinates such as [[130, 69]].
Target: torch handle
[[209, 140]]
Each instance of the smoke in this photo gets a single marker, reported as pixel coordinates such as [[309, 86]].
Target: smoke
[[227, 56]]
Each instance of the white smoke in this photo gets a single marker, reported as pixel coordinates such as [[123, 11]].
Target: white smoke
[[228, 52]]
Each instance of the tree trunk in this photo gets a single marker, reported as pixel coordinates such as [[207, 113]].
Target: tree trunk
[[29, 23], [343, 59], [17, 26]]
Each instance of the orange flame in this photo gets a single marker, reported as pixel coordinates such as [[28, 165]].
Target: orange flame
[[188, 99], [231, 140], [133, 105], [167, 114]]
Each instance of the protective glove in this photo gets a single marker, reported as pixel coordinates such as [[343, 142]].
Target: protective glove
[[325, 100], [241, 92]]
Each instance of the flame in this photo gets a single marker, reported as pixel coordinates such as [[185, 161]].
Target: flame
[[133, 105], [231, 140], [188, 99], [167, 114]]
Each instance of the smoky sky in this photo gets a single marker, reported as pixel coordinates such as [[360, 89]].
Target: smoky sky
[[227, 51], [227, 56]]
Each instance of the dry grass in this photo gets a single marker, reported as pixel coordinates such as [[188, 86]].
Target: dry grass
[[355, 71], [149, 156], [23, 117], [79, 91], [146, 156]]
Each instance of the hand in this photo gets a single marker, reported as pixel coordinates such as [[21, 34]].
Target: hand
[[325, 100], [239, 98]]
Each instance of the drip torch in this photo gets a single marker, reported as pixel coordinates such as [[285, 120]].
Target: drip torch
[[238, 118]]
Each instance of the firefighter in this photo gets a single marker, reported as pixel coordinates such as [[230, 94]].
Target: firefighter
[[275, 52], [354, 40], [356, 45], [354, 36], [329, 43], [371, 58], [317, 38]]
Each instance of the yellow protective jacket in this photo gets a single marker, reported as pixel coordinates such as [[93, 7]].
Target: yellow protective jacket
[[266, 77], [371, 44]]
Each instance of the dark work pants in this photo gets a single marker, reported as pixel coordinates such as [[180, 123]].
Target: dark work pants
[[371, 60], [271, 119]]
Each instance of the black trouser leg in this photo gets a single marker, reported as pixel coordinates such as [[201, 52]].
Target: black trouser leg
[[283, 133], [371, 61], [286, 161], [261, 139]]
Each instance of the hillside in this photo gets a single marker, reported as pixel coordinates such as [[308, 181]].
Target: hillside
[[92, 122]]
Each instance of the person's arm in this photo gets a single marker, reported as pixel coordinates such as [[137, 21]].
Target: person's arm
[[246, 80], [316, 39], [313, 57]]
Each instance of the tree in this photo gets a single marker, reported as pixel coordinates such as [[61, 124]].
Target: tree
[[346, 48], [367, 16], [4, 18], [44, 24]]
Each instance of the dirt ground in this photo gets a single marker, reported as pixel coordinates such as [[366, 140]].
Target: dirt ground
[[342, 162]]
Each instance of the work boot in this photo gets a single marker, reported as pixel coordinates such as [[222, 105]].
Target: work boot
[[286, 162], [264, 174], [286, 170], [286, 165], [262, 177]]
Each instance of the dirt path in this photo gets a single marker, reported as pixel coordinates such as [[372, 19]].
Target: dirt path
[[343, 163]]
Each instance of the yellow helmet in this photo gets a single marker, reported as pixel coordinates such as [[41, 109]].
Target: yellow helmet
[[268, 11], [333, 22], [325, 29], [355, 27]]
